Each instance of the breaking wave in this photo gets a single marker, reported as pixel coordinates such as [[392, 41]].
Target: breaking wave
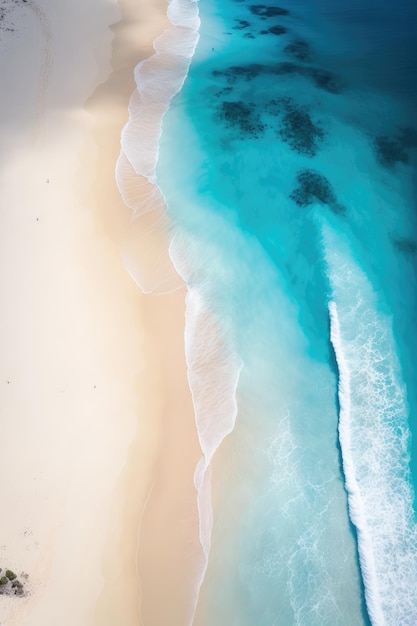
[[374, 440]]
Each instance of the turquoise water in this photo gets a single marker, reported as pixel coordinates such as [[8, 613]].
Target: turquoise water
[[288, 165]]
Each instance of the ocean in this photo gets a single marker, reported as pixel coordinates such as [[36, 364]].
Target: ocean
[[285, 166]]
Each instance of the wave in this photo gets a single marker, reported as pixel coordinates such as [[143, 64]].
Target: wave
[[159, 78], [356, 503], [374, 440], [156, 259], [213, 374]]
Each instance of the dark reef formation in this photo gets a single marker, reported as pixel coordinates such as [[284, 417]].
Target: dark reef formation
[[392, 150], [322, 79], [314, 187], [242, 116], [407, 247], [236, 72], [293, 125], [299, 131], [299, 50], [274, 30], [241, 24], [223, 92], [264, 11]]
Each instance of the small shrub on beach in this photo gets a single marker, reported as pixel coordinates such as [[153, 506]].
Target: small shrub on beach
[[16, 583], [4, 580], [10, 575]]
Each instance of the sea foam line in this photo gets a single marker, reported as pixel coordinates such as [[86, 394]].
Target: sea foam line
[[212, 370], [374, 439], [158, 79], [144, 246], [356, 505]]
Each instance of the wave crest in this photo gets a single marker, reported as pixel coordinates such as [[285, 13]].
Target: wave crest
[[374, 439], [159, 264], [158, 79]]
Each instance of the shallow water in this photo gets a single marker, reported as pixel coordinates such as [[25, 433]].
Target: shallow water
[[287, 163]]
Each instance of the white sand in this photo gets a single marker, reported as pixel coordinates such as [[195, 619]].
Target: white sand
[[92, 372]]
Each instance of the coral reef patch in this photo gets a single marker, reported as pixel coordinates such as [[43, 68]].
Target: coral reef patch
[[242, 116], [299, 50], [313, 187], [264, 11], [299, 131]]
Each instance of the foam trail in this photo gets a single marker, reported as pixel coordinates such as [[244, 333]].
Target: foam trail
[[145, 243], [213, 378], [158, 80], [213, 374], [374, 439], [356, 505], [158, 266]]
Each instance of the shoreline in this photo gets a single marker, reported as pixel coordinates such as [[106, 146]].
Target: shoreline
[[164, 538], [88, 347]]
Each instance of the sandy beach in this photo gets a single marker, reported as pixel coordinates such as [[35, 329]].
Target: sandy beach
[[97, 418]]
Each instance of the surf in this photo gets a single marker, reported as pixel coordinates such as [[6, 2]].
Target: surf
[[157, 255], [374, 439]]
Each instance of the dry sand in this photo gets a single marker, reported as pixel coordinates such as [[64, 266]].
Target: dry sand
[[95, 404]]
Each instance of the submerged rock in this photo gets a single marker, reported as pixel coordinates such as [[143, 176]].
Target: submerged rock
[[223, 92], [274, 30], [323, 79], [278, 106], [298, 49], [327, 81], [407, 247], [314, 187], [299, 131], [241, 24], [242, 116], [390, 151], [393, 150], [245, 72], [264, 11]]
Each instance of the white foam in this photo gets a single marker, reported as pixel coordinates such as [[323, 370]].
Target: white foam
[[184, 13], [356, 505], [158, 79], [213, 374], [374, 439]]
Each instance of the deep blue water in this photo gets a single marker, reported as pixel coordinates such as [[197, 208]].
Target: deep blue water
[[288, 163]]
